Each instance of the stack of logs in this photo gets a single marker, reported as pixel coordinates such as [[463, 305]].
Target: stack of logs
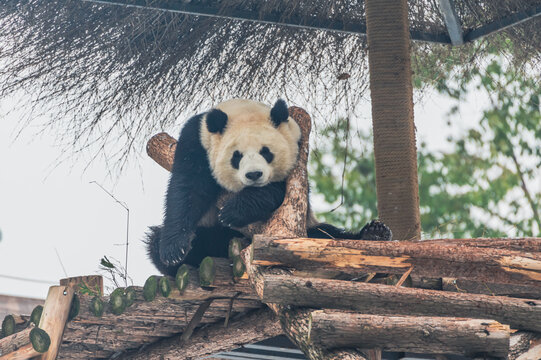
[[335, 299], [502, 276]]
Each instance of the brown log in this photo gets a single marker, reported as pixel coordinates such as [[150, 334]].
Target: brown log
[[15, 341], [419, 334], [429, 259], [54, 317], [161, 148], [23, 353], [528, 244], [391, 300], [254, 327], [470, 286]]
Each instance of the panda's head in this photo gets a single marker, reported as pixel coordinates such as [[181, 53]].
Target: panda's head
[[249, 143]]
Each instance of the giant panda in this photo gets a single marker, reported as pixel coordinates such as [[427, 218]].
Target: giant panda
[[242, 147]]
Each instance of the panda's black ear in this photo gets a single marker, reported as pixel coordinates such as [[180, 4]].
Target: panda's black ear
[[279, 113], [216, 121]]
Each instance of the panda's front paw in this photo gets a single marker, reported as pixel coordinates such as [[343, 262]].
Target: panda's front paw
[[229, 216], [174, 248], [376, 230]]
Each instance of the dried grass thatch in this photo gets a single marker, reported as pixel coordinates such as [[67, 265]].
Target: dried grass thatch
[[109, 76]]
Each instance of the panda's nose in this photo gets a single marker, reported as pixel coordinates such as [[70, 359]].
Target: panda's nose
[[254, 175]]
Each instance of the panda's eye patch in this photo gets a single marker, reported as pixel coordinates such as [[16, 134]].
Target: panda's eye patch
[[235, 159], [267, 154]]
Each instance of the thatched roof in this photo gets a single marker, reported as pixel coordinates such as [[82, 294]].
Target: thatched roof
[[109, 76]]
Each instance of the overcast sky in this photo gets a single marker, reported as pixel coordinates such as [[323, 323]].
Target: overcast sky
[[54, 218]]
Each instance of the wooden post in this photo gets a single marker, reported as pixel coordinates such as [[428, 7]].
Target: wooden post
[[391, 90], [54, 317]]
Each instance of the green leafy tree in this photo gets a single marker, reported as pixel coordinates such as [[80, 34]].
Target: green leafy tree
[[487, 185]]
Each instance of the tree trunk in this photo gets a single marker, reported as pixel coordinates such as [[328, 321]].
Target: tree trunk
[[392, 116], [419, 334], [429, 259], [380, 299]]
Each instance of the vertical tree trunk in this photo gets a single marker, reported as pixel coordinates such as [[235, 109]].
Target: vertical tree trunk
[[392, 116]]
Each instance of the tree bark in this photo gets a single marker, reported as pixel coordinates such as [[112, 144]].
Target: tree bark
[[419, 334], [379, 299], [391, 91], [15, 341], [429, 259], [256, 326]]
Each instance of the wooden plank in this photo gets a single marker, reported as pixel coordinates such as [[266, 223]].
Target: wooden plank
[[380, 299], [429, 259], [418, 334], [54, 317]]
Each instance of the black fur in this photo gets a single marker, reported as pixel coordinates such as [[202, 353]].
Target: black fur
[[192, 190], [212, 241], [252, 204], [267, 154], [374, 230], [279, 113], [216, 121]]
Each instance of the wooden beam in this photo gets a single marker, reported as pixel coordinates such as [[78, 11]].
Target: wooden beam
[[54, 317], [377, 299], [418, 334], [452, 21], [272, 18], [430, 259]]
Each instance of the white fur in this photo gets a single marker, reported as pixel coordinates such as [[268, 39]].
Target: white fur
[[248, 129]]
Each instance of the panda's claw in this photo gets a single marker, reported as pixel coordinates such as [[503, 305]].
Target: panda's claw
[[230, 218], [376, 230], [173, 250]]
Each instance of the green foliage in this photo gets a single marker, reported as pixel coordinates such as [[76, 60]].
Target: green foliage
[[487, 185]]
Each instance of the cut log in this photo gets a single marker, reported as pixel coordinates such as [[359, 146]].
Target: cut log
[[161, 148], [256, 326], [16, 341], [429, 259], [391, 300], [54, 317], [429, 335]]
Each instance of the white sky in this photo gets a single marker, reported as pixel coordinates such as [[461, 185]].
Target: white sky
[[41, 211]]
